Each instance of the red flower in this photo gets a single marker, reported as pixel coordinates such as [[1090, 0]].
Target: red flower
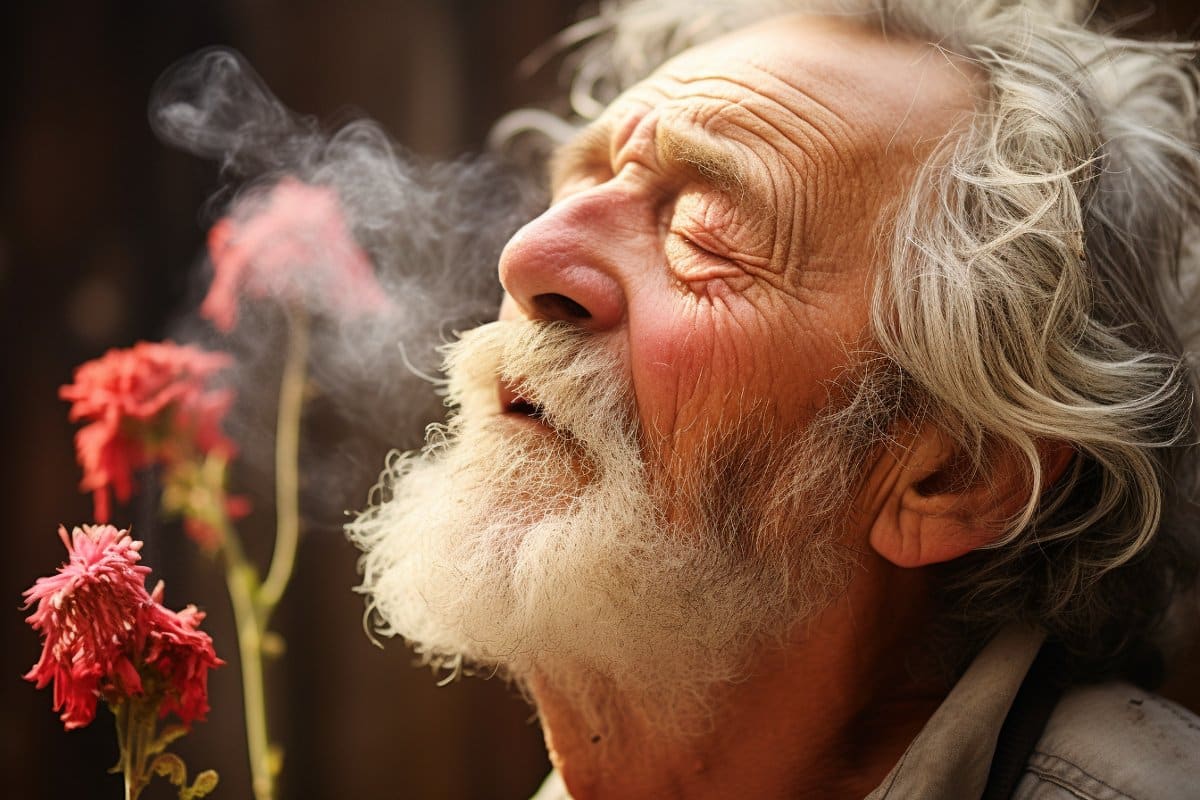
[[183, 655], [150, 403], [290, 241], [84, 611], [105, 635]]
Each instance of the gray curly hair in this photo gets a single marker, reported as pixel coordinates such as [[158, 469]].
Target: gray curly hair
[[1040, 272]]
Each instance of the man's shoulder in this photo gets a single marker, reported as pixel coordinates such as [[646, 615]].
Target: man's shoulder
[[1114, 741]]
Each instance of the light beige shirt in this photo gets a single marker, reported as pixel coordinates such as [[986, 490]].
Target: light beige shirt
[[1108, 741]]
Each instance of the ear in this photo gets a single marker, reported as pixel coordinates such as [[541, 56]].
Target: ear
[[938, 508]]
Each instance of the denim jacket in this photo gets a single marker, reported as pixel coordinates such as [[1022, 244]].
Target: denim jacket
[[1109, 741]]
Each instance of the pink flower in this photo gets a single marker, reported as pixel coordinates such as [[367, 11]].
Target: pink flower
[[291, 241], [85, 611], [183, 655], [149, 403], [105, 635]]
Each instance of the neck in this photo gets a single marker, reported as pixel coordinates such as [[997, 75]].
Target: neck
[[827, 715]]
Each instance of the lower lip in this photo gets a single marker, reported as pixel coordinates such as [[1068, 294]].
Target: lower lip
[[526, 421]]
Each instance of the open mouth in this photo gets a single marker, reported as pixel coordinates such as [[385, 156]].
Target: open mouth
[[513, 404]]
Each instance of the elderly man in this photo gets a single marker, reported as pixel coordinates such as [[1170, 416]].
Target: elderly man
[[842, 376]]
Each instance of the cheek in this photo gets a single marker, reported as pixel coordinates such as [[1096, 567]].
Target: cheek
[[693, 362], [700, 364], [660, 349]]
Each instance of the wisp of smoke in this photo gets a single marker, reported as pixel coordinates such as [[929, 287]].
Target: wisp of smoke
[[432, 230]]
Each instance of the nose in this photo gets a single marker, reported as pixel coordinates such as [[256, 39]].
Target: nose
[[562, 266]]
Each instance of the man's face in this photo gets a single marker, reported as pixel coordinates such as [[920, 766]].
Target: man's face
[[676, 499], [717, 227]]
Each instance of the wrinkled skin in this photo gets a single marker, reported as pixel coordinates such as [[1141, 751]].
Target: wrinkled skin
[[718, 228], [718, 223]]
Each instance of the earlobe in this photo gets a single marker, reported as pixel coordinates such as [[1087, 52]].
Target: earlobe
[[940, 507]]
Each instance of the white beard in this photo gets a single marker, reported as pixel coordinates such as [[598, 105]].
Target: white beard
[[552, 555]]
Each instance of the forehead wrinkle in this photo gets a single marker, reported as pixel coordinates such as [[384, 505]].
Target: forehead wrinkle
[[787, 165], [806, 134], [742, 95], [799, 176], [811, 121], [805, 175], [837, 150], [806, 108]]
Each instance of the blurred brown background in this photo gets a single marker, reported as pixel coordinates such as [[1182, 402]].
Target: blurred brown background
[[100, 230]]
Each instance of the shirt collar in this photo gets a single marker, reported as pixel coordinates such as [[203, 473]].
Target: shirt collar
[[951, 755]]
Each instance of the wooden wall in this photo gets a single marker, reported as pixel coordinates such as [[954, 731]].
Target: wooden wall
[[99, 232]]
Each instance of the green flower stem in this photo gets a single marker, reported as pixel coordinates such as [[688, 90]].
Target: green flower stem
[[242, 580], [143, 747], [137, 731], [253, 603], [121, 713], [287, 465]]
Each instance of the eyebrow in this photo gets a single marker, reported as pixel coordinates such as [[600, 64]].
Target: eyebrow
[[708, 157], [714, 160]]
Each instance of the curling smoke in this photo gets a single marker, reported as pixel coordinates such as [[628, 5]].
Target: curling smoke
[[433, 232]]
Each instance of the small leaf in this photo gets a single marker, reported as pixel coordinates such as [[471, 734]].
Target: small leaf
[[205, 782], [169, 734], [172, 767]]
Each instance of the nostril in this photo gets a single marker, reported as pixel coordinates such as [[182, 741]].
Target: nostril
[[560, 307]]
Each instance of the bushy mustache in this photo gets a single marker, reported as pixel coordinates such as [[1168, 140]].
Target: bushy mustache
[[580, 389]]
